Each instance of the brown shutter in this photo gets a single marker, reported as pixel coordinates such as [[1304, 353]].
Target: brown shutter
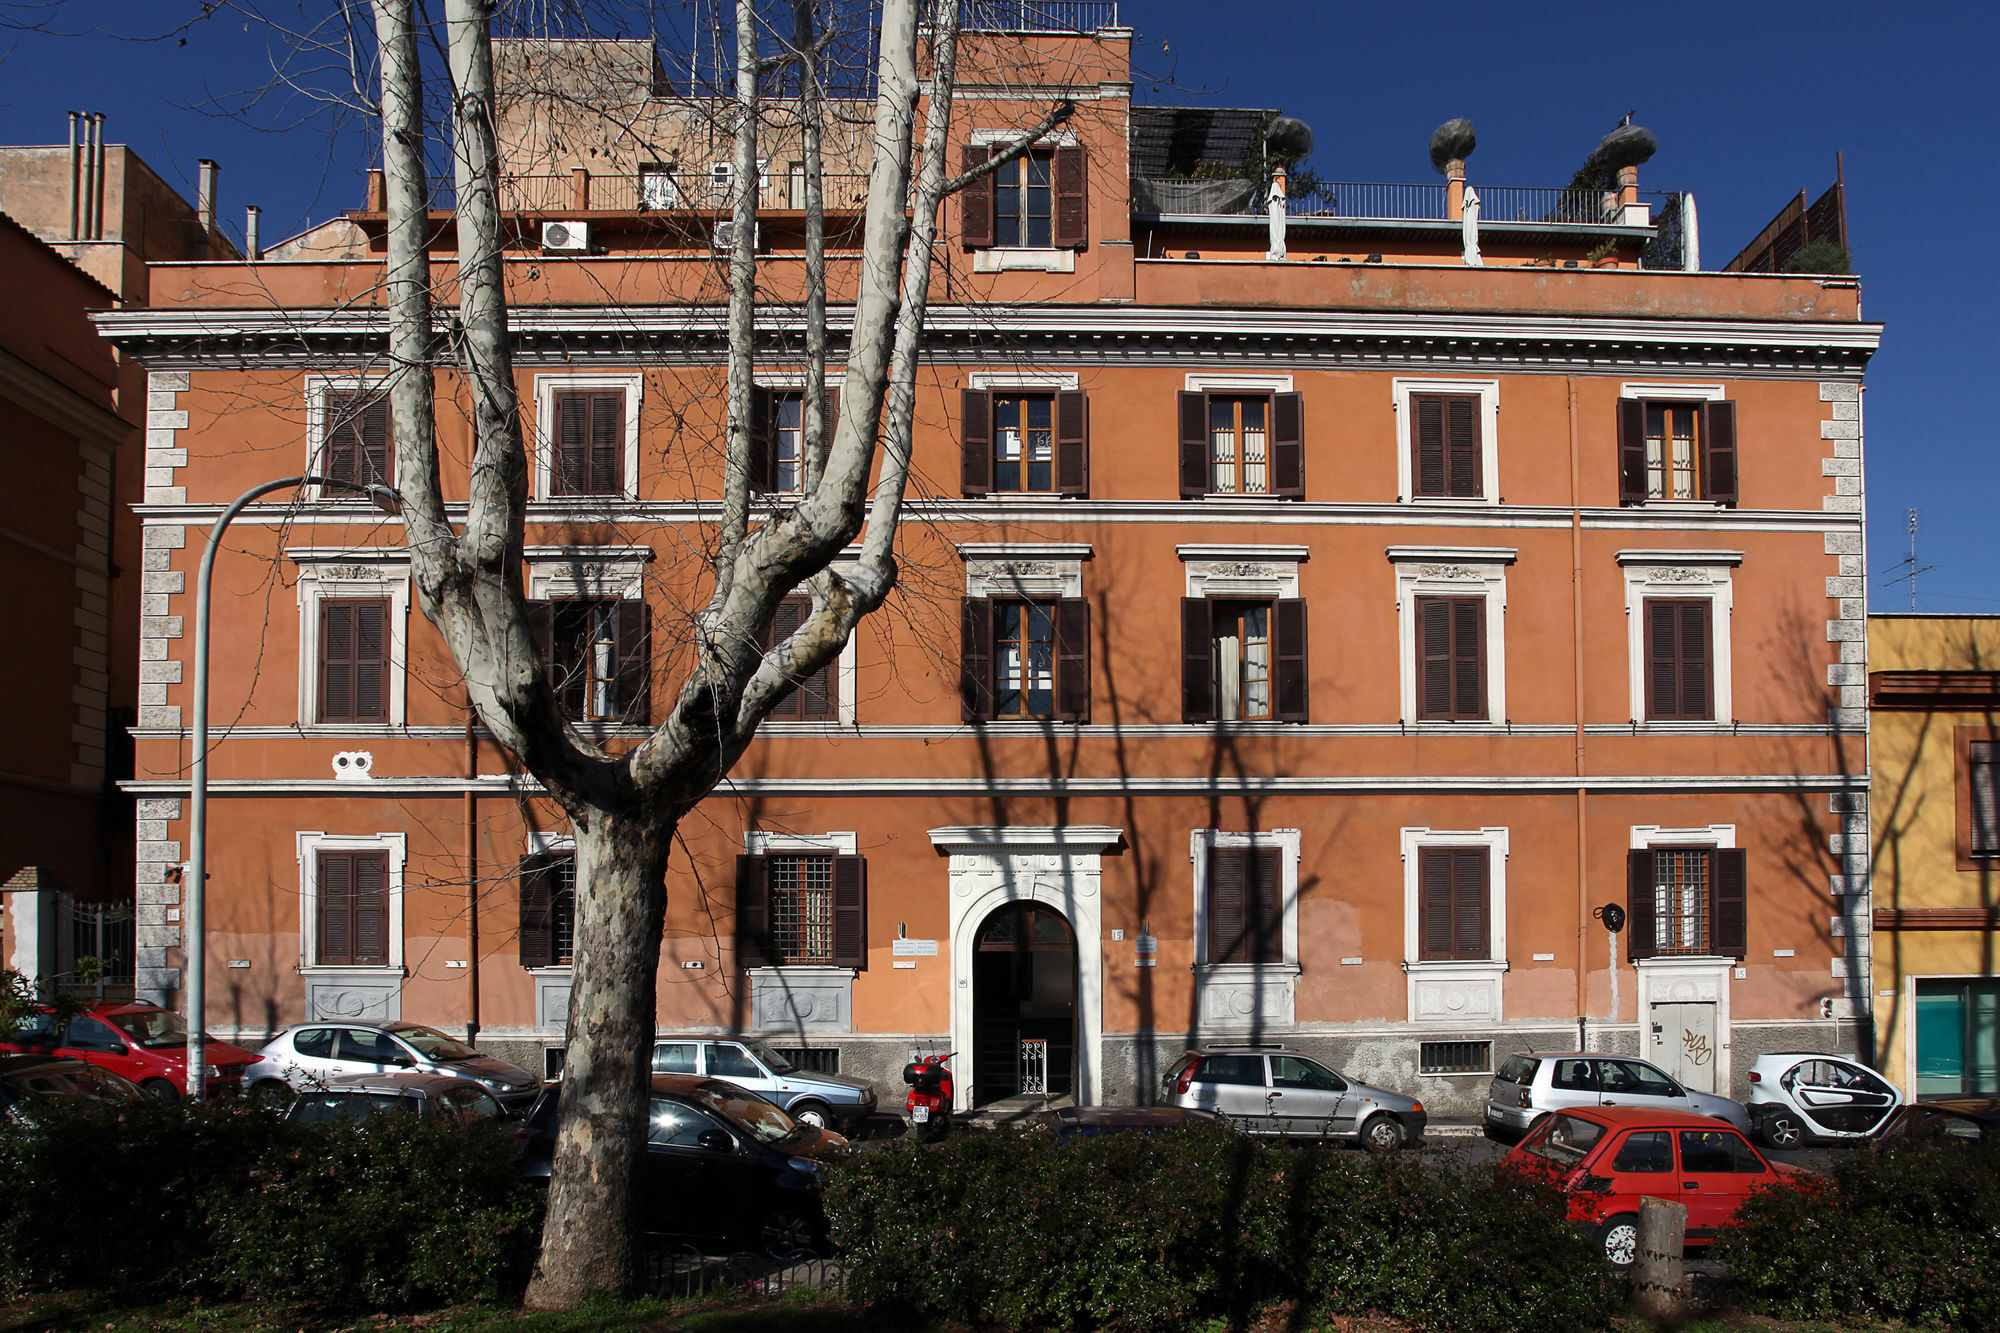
[[632, 646], [1663, 677], [335, 909], [371, 908], [1228, 920], [1197, 660], [1264, 908], [378, 459], [975, 660], [568, 472], [975, 201], [975, 442], [850, 912], [542, 630], [1697, 661], [607, 443], [1073, 659], [1288, 446], [1289, 648], [1641, 909], [1728, 880], [1982, 762], [341, 451], [1466, 458], [371, 661], [832, 397], [784, 624], [1434, 903], [1428, 466], [1072, 442], [1437, 693], [763, 462], [1631, 451], [1718, 453], [1471, 930], [1468, 648], [1193, 411], [536, 936], [1071, 198], [336, 661], [753, 911]]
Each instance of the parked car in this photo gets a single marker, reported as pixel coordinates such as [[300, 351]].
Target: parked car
[[1951, 1123], [311, 1055], [1084, 1122], [1530, 1085], [137, 1040], [1800, 1096], [1608, 1158], [826, 1101], [1283, 1094], [722, 1165], [353, 1098], [28, 1079]]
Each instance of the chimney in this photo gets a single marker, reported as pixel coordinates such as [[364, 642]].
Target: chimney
[[204, 206], [1454, 189], [98, 172], [75, 177], [253, 248]]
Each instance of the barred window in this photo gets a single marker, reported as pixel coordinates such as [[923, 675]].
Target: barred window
[[1680, 898], [1455, 1057], [802, 909]]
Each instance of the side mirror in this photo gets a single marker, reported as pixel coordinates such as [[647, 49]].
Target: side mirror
[[715, 1141]]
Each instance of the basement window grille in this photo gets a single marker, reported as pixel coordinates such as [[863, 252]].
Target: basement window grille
[[1455, 1057], [822, 1061]]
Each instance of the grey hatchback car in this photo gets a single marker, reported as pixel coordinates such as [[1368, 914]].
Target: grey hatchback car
[[1533, 1083], [824, 1101], [1284, 1094]]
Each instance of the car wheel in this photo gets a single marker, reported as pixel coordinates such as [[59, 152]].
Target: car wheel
[[159, 1087], [1383, 1134], [1784, 1131], [271, 1092], [1620, 1237], [812, 1113], [789, 1235]]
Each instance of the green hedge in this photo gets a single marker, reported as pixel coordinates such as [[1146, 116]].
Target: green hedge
[[1128, 1231], [1904, 1232], [230, 1201]]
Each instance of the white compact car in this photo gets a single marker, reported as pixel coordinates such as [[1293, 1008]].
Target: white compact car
[[1530, 1085], [1799, 1096]]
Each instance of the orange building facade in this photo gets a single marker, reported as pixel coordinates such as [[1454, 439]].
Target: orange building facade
[[1298, 650]]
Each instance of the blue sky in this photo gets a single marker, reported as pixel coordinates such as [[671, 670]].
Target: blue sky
[[1750, 102]]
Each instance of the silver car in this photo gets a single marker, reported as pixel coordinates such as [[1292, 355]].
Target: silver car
[[824, 1101], [355, 1098], [1284, 1094], [312, 1055], [1532, 1084]]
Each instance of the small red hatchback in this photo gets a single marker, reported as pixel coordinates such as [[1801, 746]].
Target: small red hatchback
[[138, 1040], [1607, 1158]]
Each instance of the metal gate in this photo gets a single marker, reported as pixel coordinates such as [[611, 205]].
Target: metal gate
[[96, 950]]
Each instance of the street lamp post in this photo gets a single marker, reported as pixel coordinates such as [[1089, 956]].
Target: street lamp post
[[196, 880]]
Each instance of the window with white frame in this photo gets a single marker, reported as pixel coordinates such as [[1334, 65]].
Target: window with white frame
[[1246, 888], [1451, 605], [1447, 433], [1454, 922], [351, 901], [353, 622], [1678, 606], [348, 434], [587, 436]]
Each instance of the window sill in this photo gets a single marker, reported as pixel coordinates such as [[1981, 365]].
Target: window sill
[[1446, 966], [1225, 970], [552, 970], [809, 971], [351, 969], [1453, 501], [1007, 259], [1681, 506]]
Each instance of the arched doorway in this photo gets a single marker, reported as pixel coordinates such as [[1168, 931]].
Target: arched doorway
[[1024, 973]]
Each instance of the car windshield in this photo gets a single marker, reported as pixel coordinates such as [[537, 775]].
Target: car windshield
[[772, 1061], [434, 1045], [1564, 1140], [73, 1082], [766, 1123], [153, 1029]]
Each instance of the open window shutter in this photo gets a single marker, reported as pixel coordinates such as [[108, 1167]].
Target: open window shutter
[[1227, 919], [975, 442], [1265, 908], [1071, 225], [1464, 454], [975, 201], [753, 911], [1430, 448], [336, 661], [763, 432], [1072, 442], [1197, 660], [1728, 926], [1434, 650], [975, 659], [1470, 928], [536, 936], [1289, 634], [335, 910], [850, 912], [567, 474], [1631, 451], [371, 661], [371, 909], [1193, 416], [632, 629], [1073, 659], [1718, 455], [1468, 652], [1434, 903], [542, 629], [1640, 909], [607, 443], [1288, 445]]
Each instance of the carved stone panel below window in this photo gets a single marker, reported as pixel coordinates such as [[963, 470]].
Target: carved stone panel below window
[[812, 999], [371, 997], [1235, 996]]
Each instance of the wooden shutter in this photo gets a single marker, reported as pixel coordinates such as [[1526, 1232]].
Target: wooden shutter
[[1631, 451], [1289, 649], [1982, 777], [1071, 199], [536, 935], [1468, 646], [1679, 670], [850, 912], [1471, 922], [1228, 918], [371, 908], [1197, 660], [353, 909], [1718, 452], [1434, 903], [763, 462], [1641, 907], [1194, 444], [335, 909], [975, 201], [356, 445], [607, 443], [632, 646], [814, 697], [542, 630], [975, 659], [1073, 659], [1072, 442], [1427, 467], [1451, 647], [336, 661], [753, 911], [1728, 902], [1464, 454], [569, 472], [1264, 905], [975, 442], [354, 661], [1288, 446]]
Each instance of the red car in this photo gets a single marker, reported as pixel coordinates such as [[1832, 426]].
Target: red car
[[1607, 1158], [136, 1039]]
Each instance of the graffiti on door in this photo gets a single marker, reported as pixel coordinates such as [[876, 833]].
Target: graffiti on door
[[1697, 1047]]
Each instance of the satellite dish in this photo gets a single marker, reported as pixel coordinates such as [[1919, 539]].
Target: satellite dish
[[1453, 139], [1288, 138]]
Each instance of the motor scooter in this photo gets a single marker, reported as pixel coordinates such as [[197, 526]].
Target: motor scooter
[[929, 1102]]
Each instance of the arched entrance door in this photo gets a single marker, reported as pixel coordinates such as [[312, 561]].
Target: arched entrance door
[[1023, 1004]]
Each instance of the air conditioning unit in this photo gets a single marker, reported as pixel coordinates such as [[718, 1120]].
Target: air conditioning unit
[[566, 236], [725, 236]]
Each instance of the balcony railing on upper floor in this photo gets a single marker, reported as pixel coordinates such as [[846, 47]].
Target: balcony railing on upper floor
[[668, 192], [1036, 15], [1369, 201]]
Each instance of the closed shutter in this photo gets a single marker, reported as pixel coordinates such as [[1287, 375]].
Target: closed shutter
[[814, 698], [353, 909], [1073, 659], [632, 687], [1729, 921], [1228, 920], [850, 912], [1434, 903], [536, 935], [1288, 446], [1197, 661], [1264, 908], [975, 442], [356, 440], [1631, 452], [569, 472], [335, 909], [975, 660], [1471, 922], [1451, 646], [1641, 909], [1289, 648], [1068, 177], [1072, 442], [763, 461], [1679, 670], [1452, 918], [1464, 450], [753, 911], [1982, 762], [975, 201], [354, 661], [1428, 468], [371, 909], [542, 631], [1193, 417], [1718, 454], [607, 443]]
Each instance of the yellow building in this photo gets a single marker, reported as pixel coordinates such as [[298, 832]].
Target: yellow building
[[1934, 689]]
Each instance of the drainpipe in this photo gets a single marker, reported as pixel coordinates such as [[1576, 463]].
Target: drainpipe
[[1583, 917], [205, 204], [75, 177], [471, 813], [252, 247]]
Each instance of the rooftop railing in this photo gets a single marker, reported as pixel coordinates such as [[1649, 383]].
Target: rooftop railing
[[1037, 15], [667, 192], [1373, 201]]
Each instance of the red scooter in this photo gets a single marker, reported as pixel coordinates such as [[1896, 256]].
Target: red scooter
[[929, 1102]]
